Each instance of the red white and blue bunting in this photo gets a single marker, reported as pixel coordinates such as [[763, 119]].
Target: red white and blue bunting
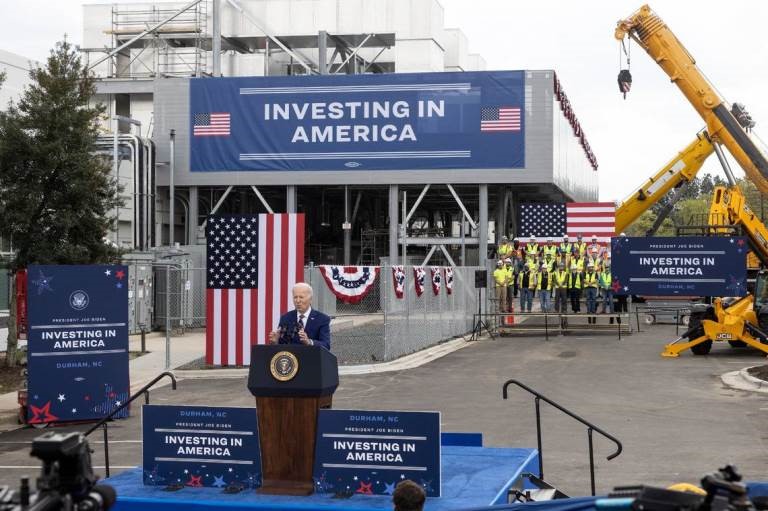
[[398, 280], [437, 279], [449, 280], [350, 284], [418, 279]]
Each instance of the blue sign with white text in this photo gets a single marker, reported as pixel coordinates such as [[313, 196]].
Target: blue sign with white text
[[369, 452], [687, 266], [201, 446], [472, 120], [78, 342]]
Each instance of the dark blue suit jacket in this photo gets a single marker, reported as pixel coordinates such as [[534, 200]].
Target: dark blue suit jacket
[[317, 327]]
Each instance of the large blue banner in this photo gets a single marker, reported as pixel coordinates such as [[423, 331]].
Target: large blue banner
[[688, 266], [358, 122], [201, 446], [78, 342], [369, 452]]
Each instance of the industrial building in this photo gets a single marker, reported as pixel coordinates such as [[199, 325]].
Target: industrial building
[[147, 55]]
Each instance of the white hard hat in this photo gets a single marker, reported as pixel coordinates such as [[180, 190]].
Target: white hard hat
[[623, 234], [594, 236]]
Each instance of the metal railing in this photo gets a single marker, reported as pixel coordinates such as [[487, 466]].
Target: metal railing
[[554, 323], [103, 423], [590, 428]]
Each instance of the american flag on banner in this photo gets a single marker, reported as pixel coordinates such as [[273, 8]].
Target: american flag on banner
[[252, 262], [211, 124], [499, 118], [551, 220]]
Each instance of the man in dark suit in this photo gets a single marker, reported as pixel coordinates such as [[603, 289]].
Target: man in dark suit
[[303, 325]]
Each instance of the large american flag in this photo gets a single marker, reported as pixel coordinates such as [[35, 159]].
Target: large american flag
[[499, 118], [551, 220], [211, 124], [252, 262]]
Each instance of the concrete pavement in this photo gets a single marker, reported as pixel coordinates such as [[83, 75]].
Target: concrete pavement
[[675, 417]]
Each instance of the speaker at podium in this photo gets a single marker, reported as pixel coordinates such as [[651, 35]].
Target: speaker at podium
[[290, 383]]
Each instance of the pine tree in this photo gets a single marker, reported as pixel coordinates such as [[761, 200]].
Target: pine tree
[[56, 195]]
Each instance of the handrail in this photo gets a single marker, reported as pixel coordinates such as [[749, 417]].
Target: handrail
[[590, 428], [103, 422]]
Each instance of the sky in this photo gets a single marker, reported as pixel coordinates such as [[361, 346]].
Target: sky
[[631, 138]]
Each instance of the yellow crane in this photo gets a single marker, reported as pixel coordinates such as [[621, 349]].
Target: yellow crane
[[679, 171], [742, 321], [726, 125]]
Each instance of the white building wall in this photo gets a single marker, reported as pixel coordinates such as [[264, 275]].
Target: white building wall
[[422, 44], [456, 50], [16, 69]]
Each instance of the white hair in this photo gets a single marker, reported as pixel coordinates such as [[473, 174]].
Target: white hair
[[304, 285]]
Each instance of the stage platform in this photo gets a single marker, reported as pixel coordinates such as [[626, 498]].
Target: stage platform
[[472, 477]]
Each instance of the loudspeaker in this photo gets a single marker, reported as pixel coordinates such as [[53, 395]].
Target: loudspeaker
[[481, 279]]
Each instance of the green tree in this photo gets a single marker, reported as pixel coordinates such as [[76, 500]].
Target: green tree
[[641, 226], [56, 195]]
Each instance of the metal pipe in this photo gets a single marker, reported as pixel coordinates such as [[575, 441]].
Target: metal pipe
[[167, 318], [116, 172], [538, 436], [216, 38], [724, 163], [347, 228], [404, 228], [591, 461], [393, 224], [483, 225], [171, 189]]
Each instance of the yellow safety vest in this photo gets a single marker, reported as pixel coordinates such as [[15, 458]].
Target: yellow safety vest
[[605, 280], [510, 275], [575, 281], [500, 276], [550, 264], [551, 250], [561, 279], [550, 278], [579, 265], [532, 249], [565, 248], [581, 247], [531, 279], [590, 279], [505, 250]]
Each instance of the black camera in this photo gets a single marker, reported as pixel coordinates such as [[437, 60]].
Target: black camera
[[66, 482], [720, 491]]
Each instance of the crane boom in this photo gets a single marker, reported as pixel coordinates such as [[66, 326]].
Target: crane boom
[[681, 169], [661, 44], [729, 207]]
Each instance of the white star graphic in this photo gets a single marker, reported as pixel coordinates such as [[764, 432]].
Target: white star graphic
[[117, 403], [61, 398], [107, 272], [74, 410]]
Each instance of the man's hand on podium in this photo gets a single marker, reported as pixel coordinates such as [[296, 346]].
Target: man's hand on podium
[[304, 338], [274, 337]]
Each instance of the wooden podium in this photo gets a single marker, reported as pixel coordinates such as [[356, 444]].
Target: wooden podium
[[291, 383]]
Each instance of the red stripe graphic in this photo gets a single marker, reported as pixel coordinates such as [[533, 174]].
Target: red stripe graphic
[[224, 327], [209, 331], [269, 291], [238, 340], [285, 292]]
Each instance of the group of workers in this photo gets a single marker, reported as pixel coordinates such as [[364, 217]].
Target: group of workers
[[558, 273]]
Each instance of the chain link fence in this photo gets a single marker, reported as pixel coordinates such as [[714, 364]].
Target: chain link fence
[[380, 327], [179, 298]]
